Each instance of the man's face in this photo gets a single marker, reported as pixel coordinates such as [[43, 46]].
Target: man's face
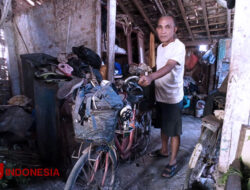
[[166, 29]]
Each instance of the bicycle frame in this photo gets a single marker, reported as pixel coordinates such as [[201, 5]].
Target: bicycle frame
[[126, 145], [126, 141]]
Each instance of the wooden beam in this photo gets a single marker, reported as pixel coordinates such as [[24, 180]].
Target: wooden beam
[[184, 16], [196, 43], [237, 99], [211, 24], [129, 48], [125, 10], [229, 23], [160, 7], [98, 28], [141, 49], [111, 32], [152, 50], [212, 30], [204, 10], [138, 6]]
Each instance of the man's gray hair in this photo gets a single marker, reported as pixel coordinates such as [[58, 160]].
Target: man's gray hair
[[169, 15]]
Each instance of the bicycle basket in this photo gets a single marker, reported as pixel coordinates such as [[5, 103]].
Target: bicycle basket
[[99, 127], [100, 117]]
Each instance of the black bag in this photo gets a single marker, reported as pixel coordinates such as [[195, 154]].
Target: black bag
[[101, 112], [88, 56]]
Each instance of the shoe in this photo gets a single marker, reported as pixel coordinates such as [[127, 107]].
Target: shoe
[[157, 154], [170, 171], [68, 87], [65, 69]]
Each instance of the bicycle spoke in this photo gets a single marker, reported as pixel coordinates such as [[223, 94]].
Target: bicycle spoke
[[106, 168]]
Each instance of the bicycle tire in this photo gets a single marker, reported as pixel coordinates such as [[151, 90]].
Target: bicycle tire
[[79, 171], [191, 173], [144, 133]]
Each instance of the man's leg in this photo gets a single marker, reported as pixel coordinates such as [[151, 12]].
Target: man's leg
[[164, 146], [175, 143]]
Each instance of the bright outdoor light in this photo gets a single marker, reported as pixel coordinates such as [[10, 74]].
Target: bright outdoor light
[[203, 48]]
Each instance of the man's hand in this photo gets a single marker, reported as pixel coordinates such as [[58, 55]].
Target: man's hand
[[145, 81]]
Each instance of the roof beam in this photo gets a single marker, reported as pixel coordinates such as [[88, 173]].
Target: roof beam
[[229, 23], [160, 7], [204, 10], [125, 10], [197, 43], [211, 24], [140, 9], [184, 16], [212, 30]]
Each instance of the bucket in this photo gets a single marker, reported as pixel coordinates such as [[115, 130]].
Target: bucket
[[200, 105], [199, 112]]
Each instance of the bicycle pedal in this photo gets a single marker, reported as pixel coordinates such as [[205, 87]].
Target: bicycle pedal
[[93, 160], [124, 131]]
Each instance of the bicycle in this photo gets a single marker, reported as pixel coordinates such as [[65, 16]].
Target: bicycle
[[96, 164], [133, 135], [95, 168], [206, 152]]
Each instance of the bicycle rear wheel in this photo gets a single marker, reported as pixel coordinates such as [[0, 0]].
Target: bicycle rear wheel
[[94, 170], [143, 133], [198, 160]]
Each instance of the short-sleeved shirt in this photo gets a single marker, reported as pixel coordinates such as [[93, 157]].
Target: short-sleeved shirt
[[169, 88]]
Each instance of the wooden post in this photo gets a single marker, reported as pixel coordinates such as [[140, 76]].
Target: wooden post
[[111, 38], [237, 100], [129, 48], [98, 28], [12, 60], [140, 40], [152, 50]]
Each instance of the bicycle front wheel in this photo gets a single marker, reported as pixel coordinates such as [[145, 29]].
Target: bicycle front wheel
[[94, 170]]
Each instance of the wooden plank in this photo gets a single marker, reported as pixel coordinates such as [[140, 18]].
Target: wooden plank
[[210, 24], [129, 48], [125, 10], [152, 50], [212, 30], [237, 100], [160, 7], [242, 136], [98, 29], [229, 23], [184, 16], [196, 43], [204, 11], [141, 49], [111, 32], [140, 9], [12, 62]]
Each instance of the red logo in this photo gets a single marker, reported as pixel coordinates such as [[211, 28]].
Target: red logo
[[28, 171], [1, 170]]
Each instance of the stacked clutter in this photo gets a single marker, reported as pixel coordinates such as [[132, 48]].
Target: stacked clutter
[[66, 67]]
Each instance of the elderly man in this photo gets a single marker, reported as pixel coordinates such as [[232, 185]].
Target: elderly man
[[168, 90]]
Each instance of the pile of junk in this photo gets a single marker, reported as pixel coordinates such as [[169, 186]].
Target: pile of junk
[[77, 75]]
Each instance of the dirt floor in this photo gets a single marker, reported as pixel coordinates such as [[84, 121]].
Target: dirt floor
[[145, 172]]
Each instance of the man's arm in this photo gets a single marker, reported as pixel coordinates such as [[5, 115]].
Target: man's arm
[[146, 80]]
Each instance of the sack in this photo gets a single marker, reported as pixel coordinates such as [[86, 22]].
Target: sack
[[100, 119], [99, 127], [88, 56]]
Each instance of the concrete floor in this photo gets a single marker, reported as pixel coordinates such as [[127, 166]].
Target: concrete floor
[[145, 172]]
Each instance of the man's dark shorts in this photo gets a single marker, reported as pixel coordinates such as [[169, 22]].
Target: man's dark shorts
[[168, 118]]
